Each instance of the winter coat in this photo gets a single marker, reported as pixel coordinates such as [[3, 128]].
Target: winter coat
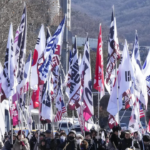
[[17, 144], [71, 145], [48, 143], [126, 143], [55, 143], [8, 145], [101, 145], [111, 146], [62, 144], [92, 145], [32, 142], [137, 144]]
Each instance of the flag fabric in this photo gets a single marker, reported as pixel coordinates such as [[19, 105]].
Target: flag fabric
[[50, 50], [113, 54], [8, 77], [38, 51], [14, 113], [136, 53], [61, 109], [24, 86], [74, 84], [146, 72], [141, 111], [86, 81], [134, 122], [125, 71], [99, 72], [21, 45], [148, 127], [54, 77], [46, 105], [34, 102], [112, 121], [139, 83]]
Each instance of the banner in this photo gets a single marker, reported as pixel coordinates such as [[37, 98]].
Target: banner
[[8, 77], [50, 50], [113, 54], [38, 51], [74, 82], [99, 72]]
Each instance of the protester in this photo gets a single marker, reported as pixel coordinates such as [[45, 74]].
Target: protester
[[146, 142], [91, 143], [33, 140], [21, 142], [48, 139], [137, 140], [127, 141], [71, 143], [84, 145], [55, 143], [115, 141]]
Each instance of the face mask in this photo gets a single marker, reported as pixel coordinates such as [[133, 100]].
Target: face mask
[[79, 141], [71, 137], [63, 138]]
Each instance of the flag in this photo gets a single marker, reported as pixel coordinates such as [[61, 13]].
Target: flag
[[46, 104], [134, 121], [113, 54], [141, 111], [14, 113], [8, 77], [139, 83], [99, 72], [61, 109], [86, 81], [74, 84], [136, 53], [148, 127], [38, 51], [125, 71], [54, 77], [21, 45], [25, 83], [34, 102], [146, 72], [50, 50], [112, 121]]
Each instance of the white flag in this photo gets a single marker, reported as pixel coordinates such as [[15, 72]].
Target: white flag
[[39, 49], [8, 78]]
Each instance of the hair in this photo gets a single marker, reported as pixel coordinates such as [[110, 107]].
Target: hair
[[84, 145]]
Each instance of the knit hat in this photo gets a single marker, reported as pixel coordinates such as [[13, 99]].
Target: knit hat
[[72, 131], [19, 133]]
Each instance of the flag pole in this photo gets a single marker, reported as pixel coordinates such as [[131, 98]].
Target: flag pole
[[11, 107]]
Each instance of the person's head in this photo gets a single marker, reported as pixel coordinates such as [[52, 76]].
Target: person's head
[[116, 130], [36, 133], [93, 133], [84, 145], [63, 136], [9, 133], [42, 136], [57, 135], [20, 135], [43, 142], [72, 135], [136, 134], [127, 134], [79, 138], [48, 134], [87, 135]]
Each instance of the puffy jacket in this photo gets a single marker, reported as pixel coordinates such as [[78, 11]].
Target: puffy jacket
[[17, 144]]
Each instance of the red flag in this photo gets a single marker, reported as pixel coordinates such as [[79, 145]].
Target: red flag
[[111, 121], [35, 98], [99, 72]]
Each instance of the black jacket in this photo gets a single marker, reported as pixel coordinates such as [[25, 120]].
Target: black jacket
[[92, 145], [55, 143], [126, 143], [71, 145], [32, 142], [8, 145]]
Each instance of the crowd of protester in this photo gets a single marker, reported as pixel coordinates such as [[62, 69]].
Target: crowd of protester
[[104, 140]]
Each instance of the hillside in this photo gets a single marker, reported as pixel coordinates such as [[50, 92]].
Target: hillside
[[130, 15]]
